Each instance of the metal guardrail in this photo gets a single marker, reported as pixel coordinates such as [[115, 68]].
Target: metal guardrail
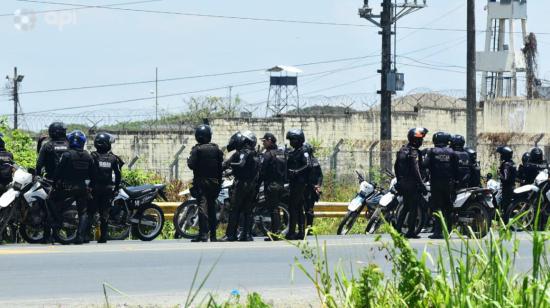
[[322, 209]]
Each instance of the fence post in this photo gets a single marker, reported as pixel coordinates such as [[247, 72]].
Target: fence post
[[174, 165], [132, 162], [334, 157], [371, 149]]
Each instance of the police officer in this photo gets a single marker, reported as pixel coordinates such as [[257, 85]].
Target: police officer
[[507, 173], [298, 166], [457, 144], [443, 164], [409, 179], [206, 160], [313, 187], [106, 164], [51, 151], [273, 176], [245, 167], [475, 169], [6, 166], [522, 176], [76, 166], [534, 165]]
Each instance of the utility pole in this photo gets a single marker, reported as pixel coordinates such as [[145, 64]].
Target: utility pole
[[156, 94], [391, 12], [471, 99], [17, 79]]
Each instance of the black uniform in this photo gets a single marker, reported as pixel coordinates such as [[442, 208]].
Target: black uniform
[[6, 171], [464, 167], [245, 166], [49, 156], [475, 174], [273, 175], [443, 165], [409, 182], [206, 162], [298, 173], [530, 172], [75, 167], [507, 174], [104, 186], [312, 195]]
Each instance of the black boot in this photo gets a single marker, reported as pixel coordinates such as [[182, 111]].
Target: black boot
[[200, 238], [82, 229], [104, 229]]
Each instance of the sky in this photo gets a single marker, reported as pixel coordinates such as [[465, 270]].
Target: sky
[[80, 47]]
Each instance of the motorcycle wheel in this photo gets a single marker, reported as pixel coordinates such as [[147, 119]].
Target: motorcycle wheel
[[374, 222], [186, 219], [347, 223], [32, 234], [521, 215], [6, 215], [402, 218], [67, 230], [150, 222], [284, 217], [481, 220]]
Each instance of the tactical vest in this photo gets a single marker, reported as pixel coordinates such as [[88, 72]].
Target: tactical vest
[[104, 165]]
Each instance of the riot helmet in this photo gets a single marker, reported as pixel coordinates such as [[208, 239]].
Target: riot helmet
[[415, 136], [203, 134], [57, 130], [536, 155], [505, 153], [457, 142], [103, 141], [77, 139], [441, 139]]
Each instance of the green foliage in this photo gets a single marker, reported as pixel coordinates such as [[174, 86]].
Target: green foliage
[[466, 273], [20, 144], [137, 177]]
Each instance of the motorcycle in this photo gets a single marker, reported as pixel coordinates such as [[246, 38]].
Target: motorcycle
[[133, 211], [522, 212], [25, 206], [473, 208], [186, 216], [367, 196], [386, 209]]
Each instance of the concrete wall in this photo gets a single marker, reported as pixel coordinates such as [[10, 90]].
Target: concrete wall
[[358, 131]]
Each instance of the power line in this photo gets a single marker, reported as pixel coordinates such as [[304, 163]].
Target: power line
[[83, 8], [183, 77], [139, 99], [260, 19]]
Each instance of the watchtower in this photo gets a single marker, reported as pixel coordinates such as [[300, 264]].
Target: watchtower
[[500, 62], [283, 89]]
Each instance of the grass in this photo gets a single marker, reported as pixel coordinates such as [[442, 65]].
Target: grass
[[470, 273]]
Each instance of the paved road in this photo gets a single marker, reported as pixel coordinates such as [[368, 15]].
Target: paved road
[[161, 272]]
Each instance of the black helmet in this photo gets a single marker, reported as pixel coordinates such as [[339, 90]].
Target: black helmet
[[457, 142], [236, 142], [57, 130], [103, 141], [505, 152], [203, 134], [525, 157], [415, 136], [296, 134], [250, 138], [441, 139], [472, 154], [536, 155]]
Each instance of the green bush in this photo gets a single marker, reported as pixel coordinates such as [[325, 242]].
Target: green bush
[[20, 144]]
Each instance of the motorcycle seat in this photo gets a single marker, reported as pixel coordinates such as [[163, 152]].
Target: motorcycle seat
[[136, 191]]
